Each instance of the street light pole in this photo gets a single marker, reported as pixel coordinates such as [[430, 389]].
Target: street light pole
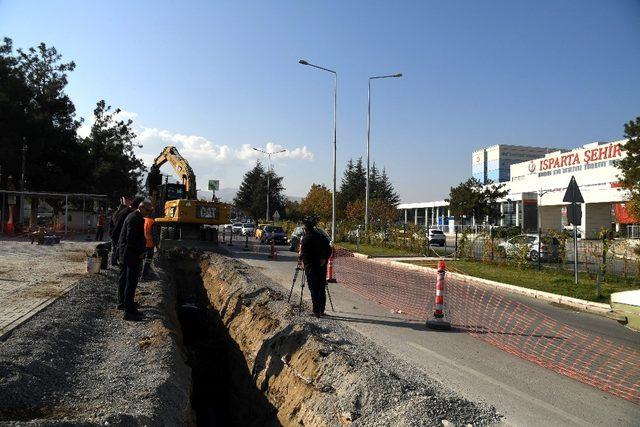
[[366, 199], [335, 107], [269, 154], [540, 194]]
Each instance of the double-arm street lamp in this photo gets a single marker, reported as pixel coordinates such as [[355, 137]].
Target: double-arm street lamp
[[269, 154], [335, 97], [366, 200]]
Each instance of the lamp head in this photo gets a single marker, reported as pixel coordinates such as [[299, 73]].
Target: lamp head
[[397, 75], [303, 62]]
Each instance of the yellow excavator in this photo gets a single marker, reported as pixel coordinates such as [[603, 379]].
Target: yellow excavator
[[183, 219]]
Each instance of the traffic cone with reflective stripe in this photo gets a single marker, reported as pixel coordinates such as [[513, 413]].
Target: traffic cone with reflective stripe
[[438, 321], [331, 278]]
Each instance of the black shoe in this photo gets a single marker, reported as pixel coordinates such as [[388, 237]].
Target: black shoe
[[120, 307], [133, 317], [318, 315]]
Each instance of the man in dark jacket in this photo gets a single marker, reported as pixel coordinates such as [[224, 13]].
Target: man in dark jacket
[[115, 225], [314, 252], [131, 250]]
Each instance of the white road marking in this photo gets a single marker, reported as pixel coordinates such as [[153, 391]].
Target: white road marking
[[522, 395]]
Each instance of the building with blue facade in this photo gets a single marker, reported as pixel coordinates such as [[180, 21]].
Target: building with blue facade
[[493, 163]]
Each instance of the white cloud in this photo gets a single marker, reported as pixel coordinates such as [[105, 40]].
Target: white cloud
[[199, 147]]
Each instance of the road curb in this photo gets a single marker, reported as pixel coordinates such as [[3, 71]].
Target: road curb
[[600, 309]]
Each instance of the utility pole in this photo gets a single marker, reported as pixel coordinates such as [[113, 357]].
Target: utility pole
[[268, 154], [23, 178], [540, 194]]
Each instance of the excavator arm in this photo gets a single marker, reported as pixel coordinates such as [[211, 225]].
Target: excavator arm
[[180, 165]]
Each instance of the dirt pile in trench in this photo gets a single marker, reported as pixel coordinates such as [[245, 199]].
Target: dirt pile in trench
[[297, 370]]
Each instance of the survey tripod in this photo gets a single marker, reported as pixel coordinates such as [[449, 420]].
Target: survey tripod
[[302, 282]]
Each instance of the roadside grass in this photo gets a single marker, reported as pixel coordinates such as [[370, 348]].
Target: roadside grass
[[548, 279], [375, 250]]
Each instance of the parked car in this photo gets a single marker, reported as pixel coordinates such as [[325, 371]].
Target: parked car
[[273, 232], [547, 251], [296, 236], [248, 229], [437, 237], [236, 227]]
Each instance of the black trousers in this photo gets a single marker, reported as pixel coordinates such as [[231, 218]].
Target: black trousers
[[99, 233], [148, 260], [317, 281], [127, 283], [114, 252]]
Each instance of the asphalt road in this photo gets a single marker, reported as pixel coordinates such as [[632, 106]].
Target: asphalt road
[[525, 393]]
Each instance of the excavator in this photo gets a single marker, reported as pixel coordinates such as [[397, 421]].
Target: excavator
[[183, 219]]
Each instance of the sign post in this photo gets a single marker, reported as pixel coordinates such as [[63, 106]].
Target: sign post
[[214, 185], [276, 216], [574, 215]]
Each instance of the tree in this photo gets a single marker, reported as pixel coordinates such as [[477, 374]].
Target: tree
[[318, 202], [115, 170], [630, 165], [37, 113], [471, 198], [292, 210], [381, 213], [353, 184], [252, 195], [381, 187]]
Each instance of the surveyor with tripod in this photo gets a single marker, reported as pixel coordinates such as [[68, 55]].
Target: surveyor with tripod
[[314, 253]]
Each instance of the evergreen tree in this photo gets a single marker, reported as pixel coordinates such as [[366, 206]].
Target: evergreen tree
[[115, 170], [248, 199], [353, 183], [252, 195], [630, 165]]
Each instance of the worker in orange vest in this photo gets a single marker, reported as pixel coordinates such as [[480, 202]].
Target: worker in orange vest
[[150, 234]]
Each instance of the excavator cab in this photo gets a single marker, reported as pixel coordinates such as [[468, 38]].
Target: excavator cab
[[165, 193]]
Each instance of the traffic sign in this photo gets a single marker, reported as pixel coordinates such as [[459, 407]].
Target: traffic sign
[[573, 194], [574, 214], [276, 216], [214, 184]]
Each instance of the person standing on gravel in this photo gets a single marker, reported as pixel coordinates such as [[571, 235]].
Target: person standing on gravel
[[100, 225], [118, 218], [131, 250], [314, 253]]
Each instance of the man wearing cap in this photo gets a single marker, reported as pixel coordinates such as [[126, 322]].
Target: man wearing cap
[[314, 253]]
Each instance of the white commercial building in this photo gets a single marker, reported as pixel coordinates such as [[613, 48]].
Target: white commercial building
[[536, 188]]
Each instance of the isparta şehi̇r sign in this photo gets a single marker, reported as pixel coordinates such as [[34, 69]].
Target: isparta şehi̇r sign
[[577, 160]]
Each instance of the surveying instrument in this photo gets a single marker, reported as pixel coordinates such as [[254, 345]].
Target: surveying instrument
[[299, 267]]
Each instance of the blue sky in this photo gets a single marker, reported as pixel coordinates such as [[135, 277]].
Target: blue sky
[[216, 77]]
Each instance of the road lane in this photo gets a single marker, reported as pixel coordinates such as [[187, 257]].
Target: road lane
[[527, 394]]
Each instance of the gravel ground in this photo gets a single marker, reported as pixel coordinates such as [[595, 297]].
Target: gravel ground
[[78, 362]]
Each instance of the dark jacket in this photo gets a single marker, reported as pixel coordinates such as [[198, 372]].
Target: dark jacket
[[314, 247], [132, 243], [117, 221]]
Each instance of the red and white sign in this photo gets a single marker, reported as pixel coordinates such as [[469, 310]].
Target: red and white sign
[[586, 156]]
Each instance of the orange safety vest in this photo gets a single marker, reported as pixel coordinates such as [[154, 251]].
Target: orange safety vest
[[148, 225]]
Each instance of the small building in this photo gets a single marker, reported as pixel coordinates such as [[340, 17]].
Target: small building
[[493, 163]]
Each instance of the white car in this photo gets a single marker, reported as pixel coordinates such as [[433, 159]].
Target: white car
[[236, 227], [437, 237], [529, 243], [248, 229]]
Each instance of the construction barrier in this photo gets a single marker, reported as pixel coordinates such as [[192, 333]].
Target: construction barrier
[[438, 322]]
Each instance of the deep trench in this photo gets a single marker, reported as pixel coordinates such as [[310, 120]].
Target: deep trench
[[224, 392]]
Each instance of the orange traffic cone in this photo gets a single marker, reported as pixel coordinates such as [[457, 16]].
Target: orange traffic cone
[[331, 278]]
